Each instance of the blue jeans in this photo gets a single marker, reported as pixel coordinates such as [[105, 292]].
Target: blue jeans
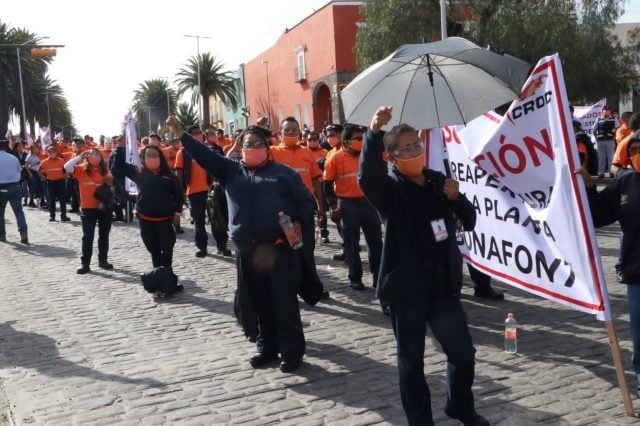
[[448, 323], [633, 298], [605, 156], [12, 195], [359, 213]]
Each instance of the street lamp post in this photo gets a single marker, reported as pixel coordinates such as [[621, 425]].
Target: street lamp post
[[266, 64], [198, 37], [24, 112], [168, 98]]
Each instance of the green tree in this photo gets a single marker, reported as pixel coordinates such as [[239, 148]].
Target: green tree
[[187, 115], [595, 64], [152, 102], [214, 82]]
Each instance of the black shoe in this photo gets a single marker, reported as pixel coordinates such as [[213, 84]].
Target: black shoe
[[385, 307], [65, 219], [31, 204], [83, 270], [324, 295], [289, 366], [74, 211], [488, 293], [474, 419], [201, 253], [621, 278], [325, 240], [601, 176], [357, 284], [52, 219], [342, 256], [260, 360], [105, 265], [225, 252]]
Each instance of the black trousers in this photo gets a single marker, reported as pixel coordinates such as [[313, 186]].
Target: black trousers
[[270, 273], [159, 238], [72, 194], [56, 189], [219, 219], [89, 218], [198, 203]]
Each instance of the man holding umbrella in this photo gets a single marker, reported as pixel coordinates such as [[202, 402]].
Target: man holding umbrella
[[421, 268]]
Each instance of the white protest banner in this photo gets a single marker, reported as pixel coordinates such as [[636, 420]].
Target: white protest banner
[[10, 138], [534, 229], [45, 137], [588, 115], [131, 139]]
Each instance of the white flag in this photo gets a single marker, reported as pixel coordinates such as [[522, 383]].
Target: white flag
[[131, 138], [46, 138]]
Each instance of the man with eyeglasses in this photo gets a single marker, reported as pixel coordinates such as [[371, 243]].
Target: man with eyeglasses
[[257, 190], [349, 206], [421, 270], [195, 179]]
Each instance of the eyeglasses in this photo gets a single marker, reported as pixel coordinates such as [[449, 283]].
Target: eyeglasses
[[148, 155], [356, 138], [313, 139], [410, 148], [254, 144]]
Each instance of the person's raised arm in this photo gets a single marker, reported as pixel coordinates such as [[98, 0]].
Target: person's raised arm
[[120, 166]]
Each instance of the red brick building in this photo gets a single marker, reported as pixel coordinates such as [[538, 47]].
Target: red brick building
[[302, 74]]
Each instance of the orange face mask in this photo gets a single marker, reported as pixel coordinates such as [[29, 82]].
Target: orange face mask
[[356, 145], [290, 140], [411, 167]]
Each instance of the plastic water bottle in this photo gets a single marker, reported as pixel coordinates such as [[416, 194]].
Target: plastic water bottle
[[289, 231], [318, 234], [510, 334]]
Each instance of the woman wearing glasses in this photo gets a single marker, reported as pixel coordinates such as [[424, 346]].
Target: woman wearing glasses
[[159, 200], [257, 190]]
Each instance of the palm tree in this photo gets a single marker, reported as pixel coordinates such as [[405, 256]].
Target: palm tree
[[57, 107], [152, 103], [186, 115], [213, 80]]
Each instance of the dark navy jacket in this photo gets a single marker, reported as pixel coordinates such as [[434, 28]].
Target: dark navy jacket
[[620, 201], [255, 196], [402, 274], [158, 195]]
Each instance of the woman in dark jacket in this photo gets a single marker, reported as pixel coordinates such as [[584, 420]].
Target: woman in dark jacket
[[620, 201], [159, 201]]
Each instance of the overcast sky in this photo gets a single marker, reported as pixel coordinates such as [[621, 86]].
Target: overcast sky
[[111, 47]]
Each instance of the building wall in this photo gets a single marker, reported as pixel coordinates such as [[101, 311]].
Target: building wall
[[234, 118], [328, 37]]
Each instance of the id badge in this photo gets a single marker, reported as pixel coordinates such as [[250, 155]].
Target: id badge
[[439, 230]]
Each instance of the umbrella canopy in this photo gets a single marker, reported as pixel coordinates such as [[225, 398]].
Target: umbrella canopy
[[431, 85]]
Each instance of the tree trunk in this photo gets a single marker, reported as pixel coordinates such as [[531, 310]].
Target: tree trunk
[[205, 111]]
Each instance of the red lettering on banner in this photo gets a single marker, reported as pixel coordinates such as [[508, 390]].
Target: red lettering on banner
[[450, 134]]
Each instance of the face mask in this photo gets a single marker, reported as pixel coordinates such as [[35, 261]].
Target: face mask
[[356, 145], [333, 141], [411, 167], [152, 163], [95, 160], [290, 140], [253, 157], [635, 162], [313, 144], [53, 156]]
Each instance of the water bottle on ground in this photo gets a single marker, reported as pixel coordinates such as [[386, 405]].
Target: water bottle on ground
[[294, 239], [510, 334], [318, 234]]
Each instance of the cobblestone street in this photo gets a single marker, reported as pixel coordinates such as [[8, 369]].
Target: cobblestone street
[[97, 349]]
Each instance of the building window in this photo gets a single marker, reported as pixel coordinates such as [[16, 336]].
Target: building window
[[307, 114], [301, 69], [298, 113]]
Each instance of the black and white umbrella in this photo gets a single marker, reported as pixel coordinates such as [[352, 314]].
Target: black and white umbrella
[[434, 84]]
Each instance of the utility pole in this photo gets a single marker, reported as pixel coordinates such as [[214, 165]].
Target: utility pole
[[198, 37], [266, 64]]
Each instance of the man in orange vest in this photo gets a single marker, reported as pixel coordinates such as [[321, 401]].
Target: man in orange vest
[[196, 180], [349, 206]]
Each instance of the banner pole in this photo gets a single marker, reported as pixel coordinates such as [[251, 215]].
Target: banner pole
[[617, 362]]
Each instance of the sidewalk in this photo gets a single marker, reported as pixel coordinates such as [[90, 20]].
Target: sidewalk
[[97, 349]]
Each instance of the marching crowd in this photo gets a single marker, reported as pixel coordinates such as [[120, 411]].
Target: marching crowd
[[361, 178]]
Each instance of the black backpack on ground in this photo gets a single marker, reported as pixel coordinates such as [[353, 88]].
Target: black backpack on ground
[[161, 280]]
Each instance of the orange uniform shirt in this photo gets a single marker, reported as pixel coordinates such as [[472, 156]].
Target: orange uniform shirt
[[87, 185], [342, 168], [224, 142], [198, 177], [171, 154], [299, 159], [582, 149], [622, 132], [52, 169], [620, 158], [318, 153]]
